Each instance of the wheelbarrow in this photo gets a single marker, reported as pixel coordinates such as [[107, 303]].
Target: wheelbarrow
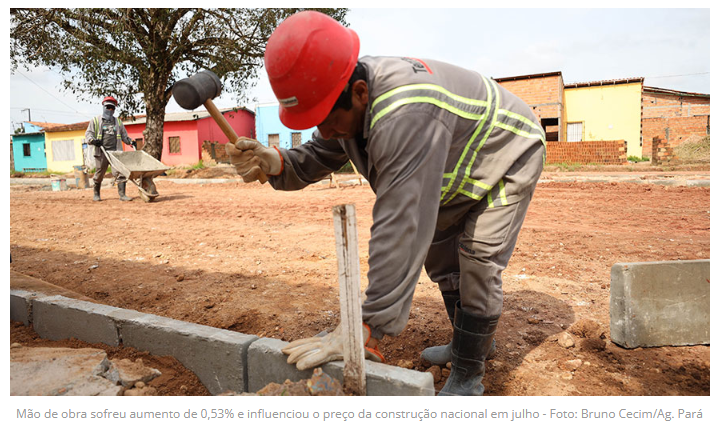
[[138, 167]]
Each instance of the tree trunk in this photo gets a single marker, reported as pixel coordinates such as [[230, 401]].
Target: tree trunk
[[154, 130], [155, 103]]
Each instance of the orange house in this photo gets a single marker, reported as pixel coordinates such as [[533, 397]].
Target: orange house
[[186, 133]]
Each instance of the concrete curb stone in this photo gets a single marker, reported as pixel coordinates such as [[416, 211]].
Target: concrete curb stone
[[58, 317], [267, 364], [218, 357], [225, 361]]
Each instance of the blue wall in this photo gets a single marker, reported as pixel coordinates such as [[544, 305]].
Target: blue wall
[[37, 159], [31, 128], [267, 118]]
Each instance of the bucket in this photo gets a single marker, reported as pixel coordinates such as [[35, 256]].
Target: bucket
[[81, 180], [59, 185]]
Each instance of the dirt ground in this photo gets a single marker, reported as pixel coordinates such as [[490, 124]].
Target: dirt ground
[[250, 259]]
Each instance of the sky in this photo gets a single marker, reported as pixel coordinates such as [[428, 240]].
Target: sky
[[670, 48]]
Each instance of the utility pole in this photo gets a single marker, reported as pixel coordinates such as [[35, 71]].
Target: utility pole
[[29, 119]]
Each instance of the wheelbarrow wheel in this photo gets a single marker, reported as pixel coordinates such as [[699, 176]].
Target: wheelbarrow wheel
[[149, 186], [146, 198]]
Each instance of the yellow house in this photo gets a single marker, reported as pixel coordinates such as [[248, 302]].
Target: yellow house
[[63, 146], [605, 111]]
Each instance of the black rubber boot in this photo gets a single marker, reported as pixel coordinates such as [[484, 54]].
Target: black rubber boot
[[121, 190], [96, 189], [441, 355], [473, 336]]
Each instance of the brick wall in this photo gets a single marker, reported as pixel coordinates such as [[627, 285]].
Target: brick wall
[[661, 152], [214, 152], [543, 94], [672, 105], [674, 131], [585, 152], [673, 118]]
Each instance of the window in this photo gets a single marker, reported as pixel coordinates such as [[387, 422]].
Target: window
[[63, 150], [175, 147], [296, 139], [273, 140], [26, 150], [574, 132], [550, 126]]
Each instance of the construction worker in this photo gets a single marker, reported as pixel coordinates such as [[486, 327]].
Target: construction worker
[[107, 131], [452, 157]]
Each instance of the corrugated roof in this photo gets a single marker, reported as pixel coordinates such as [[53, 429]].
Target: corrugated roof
[[40, 132], [604, 82], [523, 77], [647, 89], [184, 116], [45, 125], [68, 127]]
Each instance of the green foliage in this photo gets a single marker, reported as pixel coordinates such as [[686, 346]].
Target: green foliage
[[567, 166], [43, 173], [638, 159], [198, 166]]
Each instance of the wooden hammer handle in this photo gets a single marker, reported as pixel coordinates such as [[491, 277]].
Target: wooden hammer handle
[[227, 129]]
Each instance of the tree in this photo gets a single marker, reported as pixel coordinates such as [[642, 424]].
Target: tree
[[136, 55]]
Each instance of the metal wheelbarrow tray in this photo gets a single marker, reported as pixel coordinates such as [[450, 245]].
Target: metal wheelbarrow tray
[[138, 167]]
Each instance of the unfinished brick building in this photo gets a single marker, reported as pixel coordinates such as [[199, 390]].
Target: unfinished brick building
[[674, 116], [544, 94], [670, 115]]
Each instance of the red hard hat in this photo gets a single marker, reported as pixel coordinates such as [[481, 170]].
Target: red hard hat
[[309, 59], [109, 99]]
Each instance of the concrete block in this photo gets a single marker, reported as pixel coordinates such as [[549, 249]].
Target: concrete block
[[58, 317], [698, 183], [21, 306], [386, 380], [267, 364], [660, 303], [218, 357]]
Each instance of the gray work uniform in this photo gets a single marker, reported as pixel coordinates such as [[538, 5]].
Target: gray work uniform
[[453, 159], [112, 133]]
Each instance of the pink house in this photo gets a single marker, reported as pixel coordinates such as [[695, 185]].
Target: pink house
[[185, 133]]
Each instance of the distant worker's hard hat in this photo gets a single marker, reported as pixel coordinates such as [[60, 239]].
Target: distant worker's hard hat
[[109, 100], [309, 60]]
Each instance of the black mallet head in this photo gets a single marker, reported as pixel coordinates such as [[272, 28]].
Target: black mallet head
[[194, 91]]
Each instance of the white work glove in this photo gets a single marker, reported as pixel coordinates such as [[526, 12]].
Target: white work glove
[[249, 157], [312, 352]]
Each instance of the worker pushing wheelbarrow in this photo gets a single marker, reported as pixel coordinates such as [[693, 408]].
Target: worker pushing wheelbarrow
[[106, 133], [138, 167]]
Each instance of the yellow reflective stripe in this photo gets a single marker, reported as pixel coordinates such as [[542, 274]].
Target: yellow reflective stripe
[[478, 183], [472, 195], [521, 133], [502, 193], [432, 87], [520, 118], [461, 159], [424, 99], [490, 200], [468, 193], [96, 121], [467, 171]]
